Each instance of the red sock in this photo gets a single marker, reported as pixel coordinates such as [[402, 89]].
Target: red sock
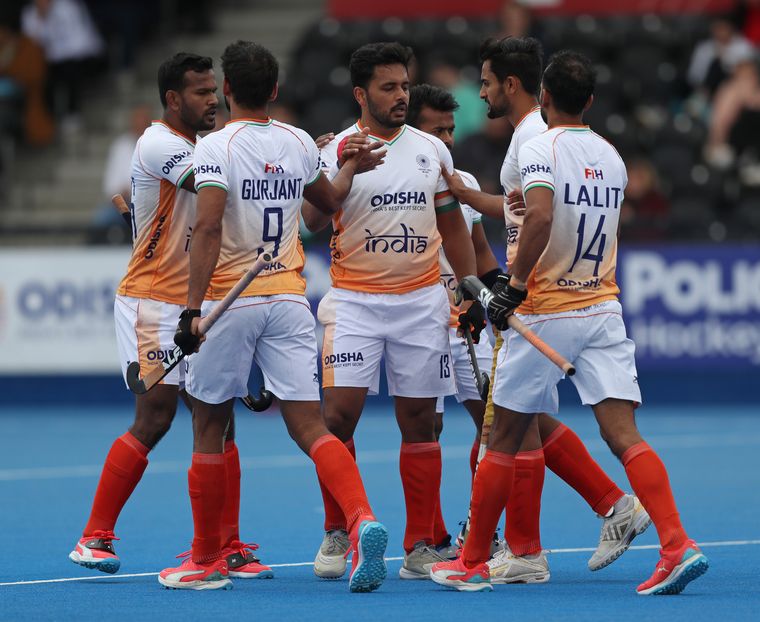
[[123, 468], [439, 526], [490, 492], [231, 509], [337, 469], [206, 481], [521, 528], [334, 518], [649, 480], [474, 457], [567, 456], [420, 467]]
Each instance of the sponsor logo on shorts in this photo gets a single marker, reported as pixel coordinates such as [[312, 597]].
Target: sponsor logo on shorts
[[159, 355], [512, 234], [344, 359], [405, 242]]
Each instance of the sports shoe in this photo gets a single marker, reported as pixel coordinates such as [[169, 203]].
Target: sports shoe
[[192, 576], [330, 562], [368, 569], [96, 552], [446, 549], [458, 576], [242, 563], [496, 543], [505, 567], [675, 570], [628, 520], [418, 563]]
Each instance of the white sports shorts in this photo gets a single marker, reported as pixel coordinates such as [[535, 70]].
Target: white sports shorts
[[145, 333], [409, 330], [275, 331], [467, 389], [593, 339]]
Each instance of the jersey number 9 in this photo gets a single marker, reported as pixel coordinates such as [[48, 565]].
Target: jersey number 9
[[272, 221]]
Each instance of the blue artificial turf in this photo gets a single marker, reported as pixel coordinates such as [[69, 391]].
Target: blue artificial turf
[[50, 461]]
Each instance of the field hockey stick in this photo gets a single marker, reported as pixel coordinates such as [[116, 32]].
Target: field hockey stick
[[481, 378], [121, 205], [154, 376], [475, 286]]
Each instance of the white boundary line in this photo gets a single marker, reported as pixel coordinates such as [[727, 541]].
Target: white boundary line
[[642, 547]]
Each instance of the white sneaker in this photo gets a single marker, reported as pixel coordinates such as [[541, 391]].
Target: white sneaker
[[418, 563], [508, 568], [628, 520], [330, 562]]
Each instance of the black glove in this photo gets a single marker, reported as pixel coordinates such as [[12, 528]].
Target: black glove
[[182, 336], [475, 319], [505, 300]]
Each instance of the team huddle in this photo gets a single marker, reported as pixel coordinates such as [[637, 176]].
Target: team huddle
[[407, 230]]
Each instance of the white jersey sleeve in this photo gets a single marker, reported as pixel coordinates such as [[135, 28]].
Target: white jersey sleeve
[[211, 165], [536, 166], [165, 155]]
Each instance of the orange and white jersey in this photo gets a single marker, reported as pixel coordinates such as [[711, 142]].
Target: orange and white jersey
[[264, 166], [588, 178], [385, 236], [162, 216], [530, 126], [448, 278]]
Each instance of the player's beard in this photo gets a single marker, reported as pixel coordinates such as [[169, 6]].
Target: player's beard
[[497, 111], [197, 122], [384, 118]]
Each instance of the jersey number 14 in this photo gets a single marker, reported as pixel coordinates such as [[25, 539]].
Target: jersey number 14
[[597, 242]]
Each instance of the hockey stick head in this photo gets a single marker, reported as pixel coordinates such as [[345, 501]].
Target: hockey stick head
[[260, 403], [134, 382]]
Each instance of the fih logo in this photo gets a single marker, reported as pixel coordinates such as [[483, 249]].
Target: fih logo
[[273, 169], [591, 173]]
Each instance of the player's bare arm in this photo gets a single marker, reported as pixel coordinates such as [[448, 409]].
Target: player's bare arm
[[535, 234], [189, 184], [484, 257], [456, 241], [491, 205], [206, 242]]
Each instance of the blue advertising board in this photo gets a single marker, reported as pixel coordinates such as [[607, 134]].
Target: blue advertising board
[[692, 308]]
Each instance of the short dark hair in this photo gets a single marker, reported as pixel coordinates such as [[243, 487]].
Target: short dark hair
[[171, 73], [367, 57], [570, 78], [515, 56], [431, 96], [251, 71]]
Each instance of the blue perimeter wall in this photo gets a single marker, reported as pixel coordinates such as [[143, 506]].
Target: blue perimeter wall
[[658, 388]]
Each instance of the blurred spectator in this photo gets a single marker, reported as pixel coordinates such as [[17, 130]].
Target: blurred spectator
[[714, 60], [516, 20], [469, 117], [116, 179], [739, 96], [72, 47], [108, 226], [482, 154], [23, 113], [748, 15], [644, 213]]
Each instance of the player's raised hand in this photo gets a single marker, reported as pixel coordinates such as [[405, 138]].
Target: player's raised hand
[[473, 316], [324, 140], [506, 299], [455, 182], [365, 154], [516, 203]]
